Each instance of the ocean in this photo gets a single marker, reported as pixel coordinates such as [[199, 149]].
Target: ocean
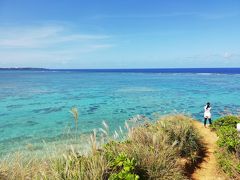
[[35, 104]]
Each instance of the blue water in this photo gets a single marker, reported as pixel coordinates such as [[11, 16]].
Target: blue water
[[34, 105]]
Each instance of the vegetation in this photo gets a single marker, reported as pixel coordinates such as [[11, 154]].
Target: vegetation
[[150, 151], [124, 166], [74, 112], [229, 145]]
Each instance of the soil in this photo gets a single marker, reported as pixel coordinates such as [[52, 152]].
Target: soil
[[207, 167]]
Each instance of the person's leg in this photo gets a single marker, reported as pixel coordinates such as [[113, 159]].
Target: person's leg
[[210, 121], [205, 121]]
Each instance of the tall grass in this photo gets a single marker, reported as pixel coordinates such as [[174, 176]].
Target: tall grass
[[74, 112], [149, 151]]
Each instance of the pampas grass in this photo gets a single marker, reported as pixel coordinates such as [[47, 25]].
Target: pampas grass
[[74, 112], [157, 148]]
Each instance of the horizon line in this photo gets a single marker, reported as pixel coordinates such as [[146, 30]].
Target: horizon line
[[119, 68]]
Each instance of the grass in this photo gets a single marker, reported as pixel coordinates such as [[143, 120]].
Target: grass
[[75, 114], [153, 150], [228, 145]]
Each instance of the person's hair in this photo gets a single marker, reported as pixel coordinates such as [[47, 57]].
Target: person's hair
[[208, 105]]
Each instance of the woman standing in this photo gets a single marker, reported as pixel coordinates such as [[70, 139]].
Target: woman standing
[[207, 114]]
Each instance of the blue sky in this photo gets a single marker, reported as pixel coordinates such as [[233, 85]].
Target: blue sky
[[119, 34]]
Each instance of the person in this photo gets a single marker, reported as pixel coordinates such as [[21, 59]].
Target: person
[[207, 114]]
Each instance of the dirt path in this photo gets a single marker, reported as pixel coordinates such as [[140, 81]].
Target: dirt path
[[207, 169]]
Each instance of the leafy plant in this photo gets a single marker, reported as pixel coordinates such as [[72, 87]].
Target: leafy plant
[[238, 167], [229, 145], [230, 121], [228, 137], [225, 163], [125, 168]]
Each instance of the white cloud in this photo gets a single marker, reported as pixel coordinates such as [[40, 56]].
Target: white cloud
[[40, 45], [100, 46], [227, 55], [203, 15], [41, 37], [214, 56], [215, 16], [213, 59]]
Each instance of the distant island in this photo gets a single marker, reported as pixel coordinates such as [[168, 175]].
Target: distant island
[[24, 68], [136, 70]]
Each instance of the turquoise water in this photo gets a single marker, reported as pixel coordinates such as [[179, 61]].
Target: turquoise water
[[34, 105]]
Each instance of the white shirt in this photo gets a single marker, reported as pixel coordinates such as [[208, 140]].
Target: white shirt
[[207, 113]]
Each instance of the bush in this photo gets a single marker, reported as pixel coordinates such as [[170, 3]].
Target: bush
[[228, 137], [226, 129], [230, 121], [155, 159], [225, 163], [154, 151], [229, 145], [159, 147], [228, 163], [184, 135], [124, 167]]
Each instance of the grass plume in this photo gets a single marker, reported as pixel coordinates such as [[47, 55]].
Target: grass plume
[[149, 151], [75, 114]]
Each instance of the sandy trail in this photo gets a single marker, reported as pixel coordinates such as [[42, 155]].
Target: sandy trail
[[207, 169]]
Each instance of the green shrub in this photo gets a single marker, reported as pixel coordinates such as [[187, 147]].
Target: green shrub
[[124, 167], [225, 163], [184, 135], [228, 137], [228, 163], [230, 121], [238, 168], [155, 159], [158, 147], [229, 145], [226, 129]]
